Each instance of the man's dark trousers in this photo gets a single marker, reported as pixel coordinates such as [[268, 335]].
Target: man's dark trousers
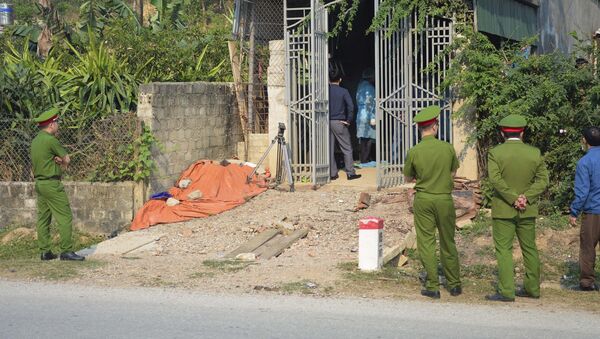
[[589, 237], [338, 131]]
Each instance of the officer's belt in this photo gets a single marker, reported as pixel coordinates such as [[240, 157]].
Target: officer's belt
[[433, 195], [56, 177]]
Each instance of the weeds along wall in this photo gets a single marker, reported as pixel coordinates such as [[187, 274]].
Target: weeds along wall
[[190, 121]]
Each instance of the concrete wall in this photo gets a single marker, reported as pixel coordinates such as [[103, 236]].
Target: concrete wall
[[462, 129], [97, 207], [278, 110], [192, 121], [257, 145], [558, 18]]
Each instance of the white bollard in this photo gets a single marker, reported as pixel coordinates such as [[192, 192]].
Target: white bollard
[[370, 243]]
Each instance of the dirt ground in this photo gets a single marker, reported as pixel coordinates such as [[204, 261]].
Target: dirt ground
[[189, 254], [186, 255]]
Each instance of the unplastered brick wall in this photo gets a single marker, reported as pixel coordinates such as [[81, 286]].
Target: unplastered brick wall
[[96, 207], [191, 121]]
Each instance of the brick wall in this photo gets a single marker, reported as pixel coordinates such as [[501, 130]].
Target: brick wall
[[191, 121], [97, 207]]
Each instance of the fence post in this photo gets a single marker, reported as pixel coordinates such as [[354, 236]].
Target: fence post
[[140, 187], [239, 92]]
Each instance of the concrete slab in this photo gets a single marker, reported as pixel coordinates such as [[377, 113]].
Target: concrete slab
[[368, 181], [123, 244]]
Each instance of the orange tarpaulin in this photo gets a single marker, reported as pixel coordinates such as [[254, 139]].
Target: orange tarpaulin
[[222, 187]]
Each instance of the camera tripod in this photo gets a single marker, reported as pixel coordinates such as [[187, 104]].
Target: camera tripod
[[283, 160]]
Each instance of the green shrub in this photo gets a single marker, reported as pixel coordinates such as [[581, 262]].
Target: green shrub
[[170, 54], [558, 98]]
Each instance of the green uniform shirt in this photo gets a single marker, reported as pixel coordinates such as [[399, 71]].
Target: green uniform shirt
[[432, 162], [44, 148], [515, 168]]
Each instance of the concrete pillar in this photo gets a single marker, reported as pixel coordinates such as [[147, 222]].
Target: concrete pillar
[[278, 111], [467, 154]]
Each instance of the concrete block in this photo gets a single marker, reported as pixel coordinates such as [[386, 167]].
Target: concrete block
[[199, 87], [218, 140], [147, 88], [125, 243], [183, 101], [201, 111], [172, 135], [30, 203], [99, 214]]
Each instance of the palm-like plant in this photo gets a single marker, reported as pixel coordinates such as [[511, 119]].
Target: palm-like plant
[[168, 14], [94, 14]]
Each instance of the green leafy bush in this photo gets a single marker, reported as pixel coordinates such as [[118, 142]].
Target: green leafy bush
[[100, 54], [123, 162], [558, 97], [170, 54]]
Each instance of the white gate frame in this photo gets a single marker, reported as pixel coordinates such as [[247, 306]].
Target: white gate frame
[[307, 90], [404, 86]]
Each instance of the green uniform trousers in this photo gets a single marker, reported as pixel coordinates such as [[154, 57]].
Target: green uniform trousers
[[52, 202], [431, 212], [504, 233]]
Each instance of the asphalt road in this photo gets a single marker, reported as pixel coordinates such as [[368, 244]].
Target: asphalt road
[[36, 310]]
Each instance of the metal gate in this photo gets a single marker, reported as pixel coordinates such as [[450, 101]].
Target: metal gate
[[405, 85], [307, 90]]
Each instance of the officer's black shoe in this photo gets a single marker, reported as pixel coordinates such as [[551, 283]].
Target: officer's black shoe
[[71, 256], [591, 288], [335, 177], [498, 297], [524, 294], [456, 291], [431, 294], [48, 256], [353, 176]]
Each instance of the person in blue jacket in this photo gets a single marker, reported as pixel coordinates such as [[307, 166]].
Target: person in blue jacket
[[587, 203], [365, 117]]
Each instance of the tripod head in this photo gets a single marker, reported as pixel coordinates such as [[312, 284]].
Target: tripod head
[[281, 130]]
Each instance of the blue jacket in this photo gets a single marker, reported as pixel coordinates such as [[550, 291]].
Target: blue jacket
[[587, 184], [340, 104]]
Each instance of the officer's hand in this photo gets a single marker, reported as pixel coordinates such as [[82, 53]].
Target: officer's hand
[[522, 202], [573, 221], [58, 160], [517, 204]]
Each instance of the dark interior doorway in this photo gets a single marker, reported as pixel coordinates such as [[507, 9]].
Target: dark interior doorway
[[354, 51]]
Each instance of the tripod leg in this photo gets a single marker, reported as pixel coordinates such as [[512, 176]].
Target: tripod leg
[[288, 166], [279, 163], [262, 158]]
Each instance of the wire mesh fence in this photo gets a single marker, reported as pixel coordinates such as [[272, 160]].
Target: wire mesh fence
[[101, 151], [259, 22]]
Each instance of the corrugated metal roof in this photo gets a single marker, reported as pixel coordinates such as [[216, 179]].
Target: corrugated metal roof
[[511, 19]]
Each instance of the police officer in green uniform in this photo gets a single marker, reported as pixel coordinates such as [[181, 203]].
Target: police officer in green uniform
[[518, 175], [433, 164], [49, 158]]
